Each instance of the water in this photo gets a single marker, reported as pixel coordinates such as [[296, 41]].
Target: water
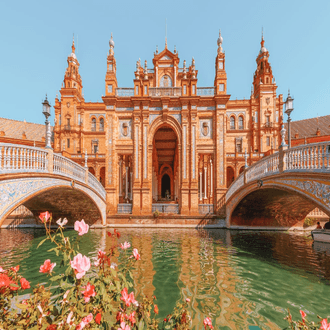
[[241, 279]]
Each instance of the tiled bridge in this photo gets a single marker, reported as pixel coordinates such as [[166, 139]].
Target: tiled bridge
[[42, 180], [281, 189]]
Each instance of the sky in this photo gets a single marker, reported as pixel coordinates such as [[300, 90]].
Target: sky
[[36, 38]]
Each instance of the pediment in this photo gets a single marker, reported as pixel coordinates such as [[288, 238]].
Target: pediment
[[165, 58]]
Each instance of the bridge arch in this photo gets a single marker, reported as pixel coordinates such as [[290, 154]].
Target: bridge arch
[[278, 201], [61, 197]]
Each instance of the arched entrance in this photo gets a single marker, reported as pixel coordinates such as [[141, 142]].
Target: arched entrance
[[166, 187], [165, 165], [230, 176]]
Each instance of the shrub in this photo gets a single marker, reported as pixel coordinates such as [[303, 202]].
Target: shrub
[[89, 294]]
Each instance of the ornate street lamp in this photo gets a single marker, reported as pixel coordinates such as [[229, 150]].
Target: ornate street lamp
[[46, 112], [288, 110]]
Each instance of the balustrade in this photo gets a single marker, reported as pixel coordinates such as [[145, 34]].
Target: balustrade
[[165, 208], [306, 158], [164, 91], [205, 91], [205, 208], [124, 208], [124, 92]]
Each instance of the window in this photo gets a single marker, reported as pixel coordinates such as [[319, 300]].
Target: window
[[95, 146], [220, 65], [110, 67], [232, 122], [101, 124], [194, 89], [268, 141], [256, 117], [184, 89], [136, 90], [240, 122], [145, 90], [93, 125], [109, 88], [221, 87], [68, 143], [239, 145]]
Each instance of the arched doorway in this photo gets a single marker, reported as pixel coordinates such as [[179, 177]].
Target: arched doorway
[[230, 176], [102, 176], [165, 165], [166, 187], [91, 170]]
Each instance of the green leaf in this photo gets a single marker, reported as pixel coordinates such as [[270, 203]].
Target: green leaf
[[141, 325], [42, 242], [21, 306]]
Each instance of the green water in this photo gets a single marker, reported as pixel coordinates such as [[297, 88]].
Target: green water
[[242, 280]]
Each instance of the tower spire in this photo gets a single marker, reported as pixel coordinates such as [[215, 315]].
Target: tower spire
[[165, 33], [112, 45], [73, 47]]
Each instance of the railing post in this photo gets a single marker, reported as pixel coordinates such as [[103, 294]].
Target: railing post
[[281, 158], [50, 158], [86, 175]]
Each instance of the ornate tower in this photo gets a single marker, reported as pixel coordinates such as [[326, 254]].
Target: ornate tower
[[110, 77], [220, 81], [68, 112], [266, 108]]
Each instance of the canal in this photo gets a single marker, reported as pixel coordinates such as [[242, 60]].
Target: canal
[[241, 279]]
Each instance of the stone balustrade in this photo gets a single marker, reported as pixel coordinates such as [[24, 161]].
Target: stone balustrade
[[164, 91], [21, 159], [205, 91], [306, 158]]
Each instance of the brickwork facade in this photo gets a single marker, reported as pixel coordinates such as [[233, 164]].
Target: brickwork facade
[[167, 144]]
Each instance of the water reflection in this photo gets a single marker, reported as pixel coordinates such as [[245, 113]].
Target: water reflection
[[238, 278]]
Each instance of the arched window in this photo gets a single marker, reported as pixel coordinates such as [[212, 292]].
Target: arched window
[[230, 176], [232, 122], [240, 122], [93, 125], [101, 124]]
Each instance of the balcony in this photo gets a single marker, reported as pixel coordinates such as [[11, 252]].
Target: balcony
[[67, 127], [269, 125], [124, 92], [205, 208], [205, 91], [165, 91], [124, 208]]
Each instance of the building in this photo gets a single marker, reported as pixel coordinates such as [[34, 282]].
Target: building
[[167, 144]]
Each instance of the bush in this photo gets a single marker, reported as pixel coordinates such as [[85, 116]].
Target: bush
[[309, 222], [94, 295]]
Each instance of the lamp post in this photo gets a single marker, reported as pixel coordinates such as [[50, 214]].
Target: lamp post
[[46, 112], [288, 110]]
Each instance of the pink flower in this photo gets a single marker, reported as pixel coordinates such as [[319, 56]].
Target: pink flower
[[44, 216], [187, 300], [124, 326], [136, 254], [1, 270], [89, 292], [87, 319], [81, 264], [325, 325], [208, 322], [132, 318], [24, 283], [62, 223], [303, 314], [125, 246], [47, 267], [128, 298], [81, 227]]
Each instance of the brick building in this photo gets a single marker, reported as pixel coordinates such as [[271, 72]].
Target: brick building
[[167, 143]]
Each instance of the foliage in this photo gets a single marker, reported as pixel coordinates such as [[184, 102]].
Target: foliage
[[304, 324], [90, 295], [156, 214], [309, 222]]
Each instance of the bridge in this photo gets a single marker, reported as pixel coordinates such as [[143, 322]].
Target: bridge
[[42, 180], [281, 189]]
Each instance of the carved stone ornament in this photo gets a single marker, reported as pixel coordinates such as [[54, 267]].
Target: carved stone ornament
[[68, 104], [205, 129], [267, 100], [125, 129]]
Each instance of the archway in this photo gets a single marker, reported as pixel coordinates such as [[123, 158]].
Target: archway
[[230, 176], [165, 165], [166, 187]]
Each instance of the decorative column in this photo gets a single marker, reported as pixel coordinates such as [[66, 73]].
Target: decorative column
[[200, 186], [126, 183], [211, 195], [205, 182], [120, 179], [131, 181]]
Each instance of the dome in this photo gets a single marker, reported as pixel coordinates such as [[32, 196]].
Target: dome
[[263, 50], [73, 55]]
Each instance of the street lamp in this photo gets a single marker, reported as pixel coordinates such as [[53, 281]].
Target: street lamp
[[288, 110], [46, 112]]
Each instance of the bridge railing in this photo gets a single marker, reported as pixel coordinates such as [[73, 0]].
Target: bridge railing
[[306, 158], [19, 159], [15, 158]]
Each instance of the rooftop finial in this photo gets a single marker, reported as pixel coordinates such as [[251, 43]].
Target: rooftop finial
[[220, 40], [112, 45], [165, 33], [73, 47], [263, 48]]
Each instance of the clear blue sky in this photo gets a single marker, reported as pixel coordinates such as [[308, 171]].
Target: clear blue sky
[[36, 39]]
